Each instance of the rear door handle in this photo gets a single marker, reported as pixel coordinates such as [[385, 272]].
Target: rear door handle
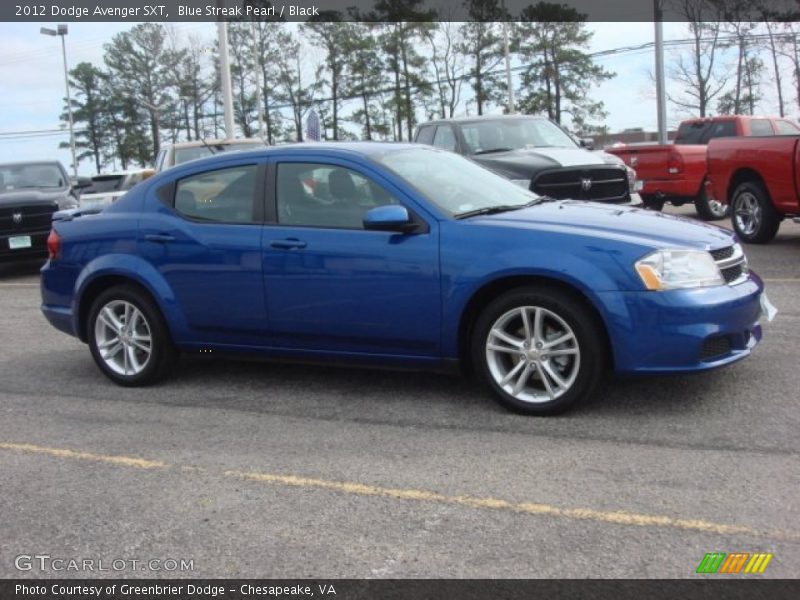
[[159, 238], [288, 244]]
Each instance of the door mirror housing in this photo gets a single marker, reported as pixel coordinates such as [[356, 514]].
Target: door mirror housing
[[391, 217], [587, 143]]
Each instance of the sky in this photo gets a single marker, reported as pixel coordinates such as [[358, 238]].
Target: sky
[[31, 72]]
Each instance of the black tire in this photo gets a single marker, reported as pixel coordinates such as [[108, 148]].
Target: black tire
[[163, 353], [753, 217], [710, 210], [653, 203], [583, 377]]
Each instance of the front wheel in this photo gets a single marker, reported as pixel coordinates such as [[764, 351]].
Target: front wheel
[[128, 338], [652, 203], [708, 209], [540, 351], [754, 218]]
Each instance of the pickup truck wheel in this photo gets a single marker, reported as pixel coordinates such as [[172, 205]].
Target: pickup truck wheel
[[653, 203], [708, 209], [128, 338], [754, 218], [541, 351]]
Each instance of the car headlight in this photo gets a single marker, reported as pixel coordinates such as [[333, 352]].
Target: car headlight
[[675, 269], [526, 183]]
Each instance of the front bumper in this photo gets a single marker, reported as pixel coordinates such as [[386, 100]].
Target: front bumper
[[679, 331], [37, 249]]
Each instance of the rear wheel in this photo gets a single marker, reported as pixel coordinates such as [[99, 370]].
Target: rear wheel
[[128, 338], [708, 209], [541, 351], [754, 218]]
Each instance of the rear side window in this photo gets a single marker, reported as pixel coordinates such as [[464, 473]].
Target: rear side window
[[719, 129], [221, 196], [425, 135], [690, 133], [787, 128], [761, 127]]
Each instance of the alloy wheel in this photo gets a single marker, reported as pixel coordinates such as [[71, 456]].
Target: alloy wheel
[[533, 354], [123, 337]]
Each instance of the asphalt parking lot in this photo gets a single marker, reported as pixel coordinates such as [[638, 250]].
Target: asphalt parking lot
[[268, 470]]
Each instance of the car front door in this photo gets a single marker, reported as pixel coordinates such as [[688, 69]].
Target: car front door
[[333, 286], [205, 241]]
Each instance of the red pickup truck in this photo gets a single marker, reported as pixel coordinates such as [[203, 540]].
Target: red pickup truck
[[759, 178], [675, 172]]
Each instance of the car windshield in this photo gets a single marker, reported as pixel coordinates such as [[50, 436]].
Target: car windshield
[[183, 155], [453, 183], [31, 175], [483, 137]]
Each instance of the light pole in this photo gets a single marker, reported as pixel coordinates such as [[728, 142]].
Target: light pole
[[62, 31], [507, 53]]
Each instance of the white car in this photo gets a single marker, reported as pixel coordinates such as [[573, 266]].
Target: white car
[[176, 154], [107, 188]]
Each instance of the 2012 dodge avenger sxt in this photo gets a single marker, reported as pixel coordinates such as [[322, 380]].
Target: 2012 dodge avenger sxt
[[399, 255]]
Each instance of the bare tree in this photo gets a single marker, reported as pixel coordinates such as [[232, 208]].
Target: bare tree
[[696, 72], [448, 65]]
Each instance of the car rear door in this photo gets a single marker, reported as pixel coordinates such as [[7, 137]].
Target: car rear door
[[331, 285], [205, 241]]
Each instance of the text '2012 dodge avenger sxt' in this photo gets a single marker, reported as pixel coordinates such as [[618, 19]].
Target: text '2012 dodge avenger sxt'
[[396, 255]]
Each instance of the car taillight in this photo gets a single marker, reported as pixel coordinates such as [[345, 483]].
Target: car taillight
[[674, 163], [53, 245]]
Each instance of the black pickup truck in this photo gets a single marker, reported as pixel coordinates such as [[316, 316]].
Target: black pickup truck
[[30, 192], [537, 154]]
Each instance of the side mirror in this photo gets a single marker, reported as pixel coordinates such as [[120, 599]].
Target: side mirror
[[391, 217], [587, 143]]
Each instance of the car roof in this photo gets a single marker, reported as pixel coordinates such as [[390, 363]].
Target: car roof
[[480, 118], [29, 163], [219, 142], [123, 173]]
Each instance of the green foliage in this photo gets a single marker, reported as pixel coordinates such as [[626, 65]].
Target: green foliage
[[552, 40]]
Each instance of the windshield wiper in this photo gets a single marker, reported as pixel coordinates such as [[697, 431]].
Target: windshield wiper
[[491, 150], [492, 210]]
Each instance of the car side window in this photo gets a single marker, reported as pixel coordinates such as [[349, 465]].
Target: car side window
[[761, 127], [220, 196], [720, 129], [691, 133], [320, 195], [445, 138], [787, 128], [425, 135]]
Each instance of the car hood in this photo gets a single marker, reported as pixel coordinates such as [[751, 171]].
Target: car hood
[[31, 196], [532, 160], [633, 225]]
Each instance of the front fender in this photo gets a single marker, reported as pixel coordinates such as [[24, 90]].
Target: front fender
[[586, 276]]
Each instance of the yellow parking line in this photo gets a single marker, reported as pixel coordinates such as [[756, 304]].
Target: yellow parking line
[[123, 461], [415, 495]]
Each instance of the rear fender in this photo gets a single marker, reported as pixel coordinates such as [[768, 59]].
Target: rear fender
[[138, 271]]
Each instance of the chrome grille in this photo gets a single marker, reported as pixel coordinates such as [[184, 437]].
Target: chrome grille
[[732, 263], [26, 218], [601, 184]]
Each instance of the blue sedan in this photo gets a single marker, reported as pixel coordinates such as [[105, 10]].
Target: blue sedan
[[396, 255]]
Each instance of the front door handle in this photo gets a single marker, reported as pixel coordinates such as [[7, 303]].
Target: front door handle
[[159, 238], [288, 244]]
